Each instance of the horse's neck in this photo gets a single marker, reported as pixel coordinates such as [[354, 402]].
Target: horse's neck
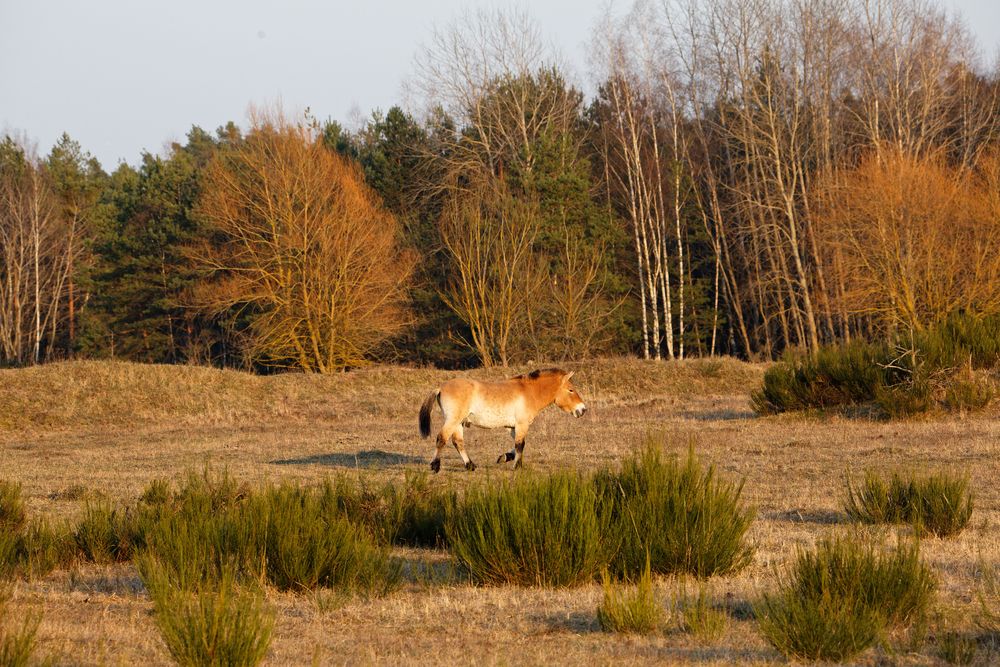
[[546, 394]]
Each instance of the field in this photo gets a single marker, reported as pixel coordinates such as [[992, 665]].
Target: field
[[72, 432]]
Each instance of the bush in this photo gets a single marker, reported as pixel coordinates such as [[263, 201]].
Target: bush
[[939, 504], [103, 536], [305, 546], [292, 538], [839, 598], [678, 514], [28, 549], [411, 514], [41, 548], [418, 512], [940, 367], [630, 609], [214, 625], [533, 531]]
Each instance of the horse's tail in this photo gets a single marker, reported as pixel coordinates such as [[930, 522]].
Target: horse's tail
[[425, 413]]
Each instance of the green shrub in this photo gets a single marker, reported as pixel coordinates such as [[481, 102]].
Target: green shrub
[[834, 376], [12, 514], [289, 537], [940, 367], [630, 608], [212, 625], [105, 535], [305, 546], [411, 514], [533, 530], [839, 598], [156, 493], [678, 513], [41, 548], [17, 644], [939, 504], [417, 511]]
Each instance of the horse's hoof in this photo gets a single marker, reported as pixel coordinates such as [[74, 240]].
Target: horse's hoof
[[470, 466], [435, 465]]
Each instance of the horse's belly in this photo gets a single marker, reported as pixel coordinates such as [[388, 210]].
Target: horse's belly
[[491, 419]]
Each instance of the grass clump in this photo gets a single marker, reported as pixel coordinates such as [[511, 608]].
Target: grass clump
[[208, 625], [677, 512], [305, 546], [289, 537], [532, 531], [940, 504], [698, 617], [17, 641], [630, 608], [957, 648], [411, 514], [945, 366], [841, 597], [12, 513]]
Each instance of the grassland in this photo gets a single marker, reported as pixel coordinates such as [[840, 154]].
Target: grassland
[[73, 432]]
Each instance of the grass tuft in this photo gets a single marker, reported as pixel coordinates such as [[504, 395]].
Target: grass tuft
[[678, 513], [532, 531], [630, 608], [213, 625], [698, 617], [839, 598], [939, 504], [12, 513], [17, 641]]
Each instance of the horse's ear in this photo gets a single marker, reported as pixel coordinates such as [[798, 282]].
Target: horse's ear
[[568, 376]]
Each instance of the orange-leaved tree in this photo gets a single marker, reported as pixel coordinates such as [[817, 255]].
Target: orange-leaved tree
[[301, 250], [911, 240]]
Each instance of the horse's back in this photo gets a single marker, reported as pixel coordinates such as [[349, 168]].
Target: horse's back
[[486, 404]]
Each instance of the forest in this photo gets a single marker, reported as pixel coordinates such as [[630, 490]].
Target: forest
[[750, 177]]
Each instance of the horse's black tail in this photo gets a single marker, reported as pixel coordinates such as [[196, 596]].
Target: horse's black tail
[[425, 413]]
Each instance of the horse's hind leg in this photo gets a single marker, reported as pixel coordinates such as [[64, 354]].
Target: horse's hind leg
[[458, 438], [443, 437]]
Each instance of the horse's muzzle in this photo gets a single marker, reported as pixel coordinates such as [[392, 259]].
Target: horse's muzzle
[[579, 411]]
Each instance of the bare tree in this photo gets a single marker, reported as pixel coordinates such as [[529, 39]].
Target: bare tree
[[303, 247]]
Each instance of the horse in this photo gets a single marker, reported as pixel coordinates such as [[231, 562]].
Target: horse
[[512, 404]]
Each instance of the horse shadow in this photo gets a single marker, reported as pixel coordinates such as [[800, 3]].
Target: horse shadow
[[366, 458]]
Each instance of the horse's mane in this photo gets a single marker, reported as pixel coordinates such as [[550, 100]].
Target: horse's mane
[[539, 372]]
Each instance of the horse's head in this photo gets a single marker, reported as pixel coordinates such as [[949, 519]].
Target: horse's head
[[568, 399]]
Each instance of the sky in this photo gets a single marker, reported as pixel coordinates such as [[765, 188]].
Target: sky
[[124, 76]]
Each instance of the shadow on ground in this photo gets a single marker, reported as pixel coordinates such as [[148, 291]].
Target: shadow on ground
[[368, 458], [809, 516]]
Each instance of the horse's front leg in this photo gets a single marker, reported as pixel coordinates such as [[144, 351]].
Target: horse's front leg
[[507, 457], [515, 455]]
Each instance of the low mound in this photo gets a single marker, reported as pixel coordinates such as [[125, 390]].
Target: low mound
[[76, 394]]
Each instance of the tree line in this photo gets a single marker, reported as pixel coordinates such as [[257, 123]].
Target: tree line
[[750, 176]]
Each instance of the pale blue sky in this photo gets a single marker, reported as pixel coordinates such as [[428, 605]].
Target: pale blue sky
[[122, 76]]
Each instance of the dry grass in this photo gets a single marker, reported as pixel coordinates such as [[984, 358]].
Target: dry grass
[[113, 427]]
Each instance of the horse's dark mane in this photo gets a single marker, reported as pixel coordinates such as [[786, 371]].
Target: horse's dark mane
[[538, 372]]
